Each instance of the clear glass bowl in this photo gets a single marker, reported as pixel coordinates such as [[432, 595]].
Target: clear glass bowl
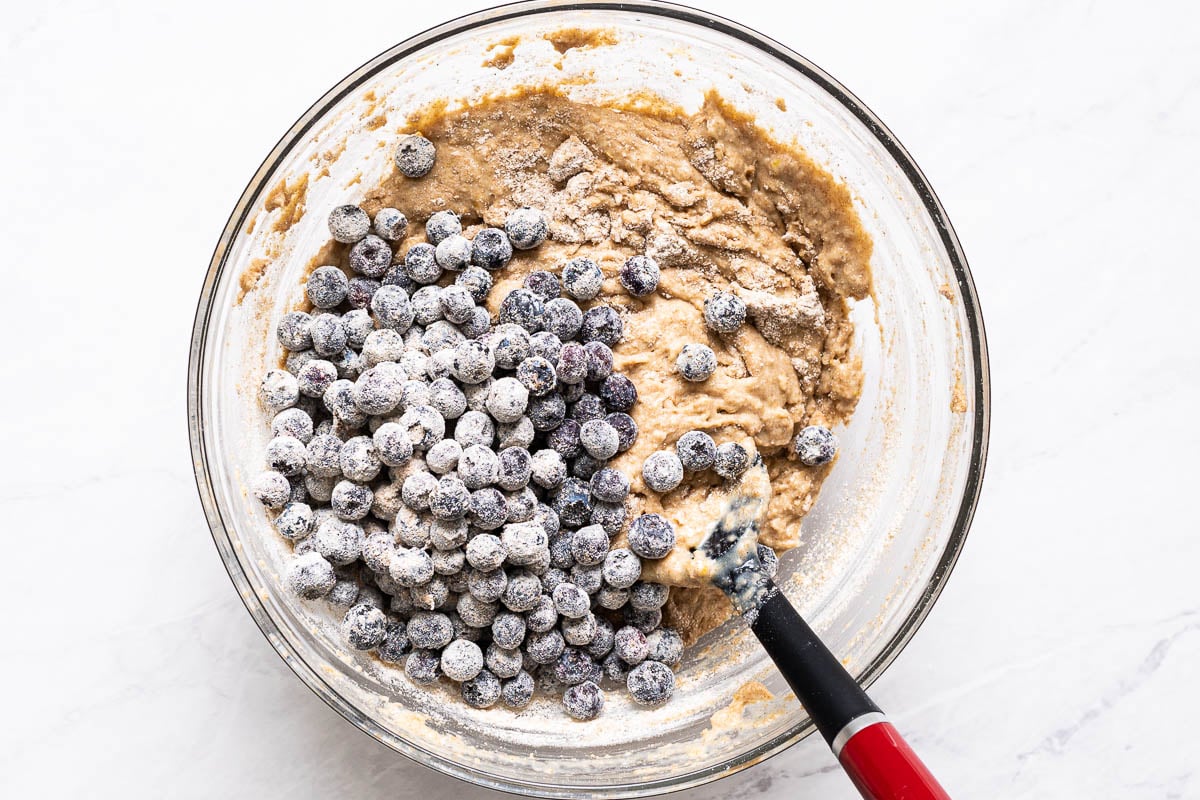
[[889, 524]]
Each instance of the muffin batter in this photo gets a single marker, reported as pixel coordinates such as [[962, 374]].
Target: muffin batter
[[720, 206]]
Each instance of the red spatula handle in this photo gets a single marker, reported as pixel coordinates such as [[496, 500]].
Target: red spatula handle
[[882, 765]]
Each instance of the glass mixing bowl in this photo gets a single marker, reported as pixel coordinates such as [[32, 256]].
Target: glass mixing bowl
[[891, 519]]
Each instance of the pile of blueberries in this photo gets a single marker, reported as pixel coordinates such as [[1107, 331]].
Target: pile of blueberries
[[443, 477]]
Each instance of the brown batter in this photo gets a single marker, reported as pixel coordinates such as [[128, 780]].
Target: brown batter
[[720, 206]]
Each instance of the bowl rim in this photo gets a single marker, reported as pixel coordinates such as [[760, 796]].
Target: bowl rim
[[977, 353]]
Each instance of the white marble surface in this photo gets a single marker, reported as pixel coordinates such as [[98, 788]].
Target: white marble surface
[[1062, 137]]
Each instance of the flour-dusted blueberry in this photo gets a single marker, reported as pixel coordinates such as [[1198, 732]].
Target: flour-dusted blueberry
[[482, 691], [570, 601], [387, 501], [296, 361], [457, 304], [390, 224], [508, 630], [417, 489], [453, 253], [486, 586], [371, 257], [621, 568], [589, 545], [447, 398], [504, 662], [440, 336], [526, 227], [696, 362], [414, 155], [523, 590], [293, 330], [547, 412], [358, 326], [349, 364], [544, 648], [364, 627], [310, 576], [618, 393], [644, 621], [587, 578], [662, 471], [358, 459], [422, 666], [665, 645], [562, 317], [602, 643], [547, 469], [544, 284], [523, 541], [379, 389], [486, 552], [491, 249], [639, 275], [572, 363], [612, 598], [561, 556], [507, 400], [348, 224], [441, 226], [425, 426], [609, 485], [474, 427], [339, 401], [326, 287], [510, 345], [410, 566], [450, 499], [392, 308], [351, 501], [443, 456], [360, 290], [271, 489], [615, 669], [427, 305], [545, 344], [599, 439], [651, 683], [626, 428], [581, 278], [420, 264], [517, 692], [564, 439], [383, 345], [410, 528], [280, 389], [488, 508], [731, 460], [461, 660], [600, 361], [430, 630], [396, 276], [328, 335], [769, 560], [630, 644], [572, 502], [514, 469], [696, 451], [645, 596], [323, 456], [724, 312], [520, 433], [537, 375], [573, 666], [524, 308], [543, 616], [416, 393], [295, 521], [448, 562], [477, 324], [815, 446], [475, 280], [651, 536], [584, 701], [393, 446], [430, 596], [286, 455], [395, 645], [610, 516], [414, 363], [602, 324], [340, 542]]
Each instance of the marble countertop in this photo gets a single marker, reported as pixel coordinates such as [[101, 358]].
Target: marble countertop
[[1062, 138]]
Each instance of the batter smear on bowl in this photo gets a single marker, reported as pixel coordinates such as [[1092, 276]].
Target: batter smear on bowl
[[532, 358]]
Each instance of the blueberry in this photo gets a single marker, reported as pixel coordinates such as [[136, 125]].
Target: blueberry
[[644, 621], [651, 536], [392, 308], [390, 224], [612, 598], [584, 702], [461, 660], [546, 345], [662, 471], [476, 281], [487, 587], [339, 401], [648, 596], [589, 545], [358, 324], [395, 644], [425, 426], [522, 591], [547, 469], [609, 516], [364, 627], [518, 691], [379, 389], [488, 509], [731, 460], [564, 439], [524, 308], [448, 562], [410, 566], [310, 576], [724, 312], [446, 398], [474, 427], [351, 501], [651, 683], [473, 362], [383, 345], [478, 467], [348, 224], [544, 284], [327, 287], [630, 644], [639, 275], [280, 389], [482, 691], [293, 331], [548, 412], [449, 500], [515, 469], [572, 502], [504, 662], [323, 456], [627, 429], [457, 304], [621, 568], [665, 645], [491, 249], [615, 669], [477, 324], [441, 226], [570, 601], [360, 290], [410, 528], [587, 578], [286, 455], [609, 485], [601, 324], [526, 227], [427, 305], [562, 317], [414, 155], [600, 361], [430, 630], [422, 666], [507, 400], [696, 451], [295, 521], [696, 362], [420, 264], [508, 630], [453, 253], [618, 393], [358, 459], [523, 541], [573, 666], [581, 278], [543, 616], [371, 257], [328, 335], [599, 439], [815, 446], [544, 648]]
